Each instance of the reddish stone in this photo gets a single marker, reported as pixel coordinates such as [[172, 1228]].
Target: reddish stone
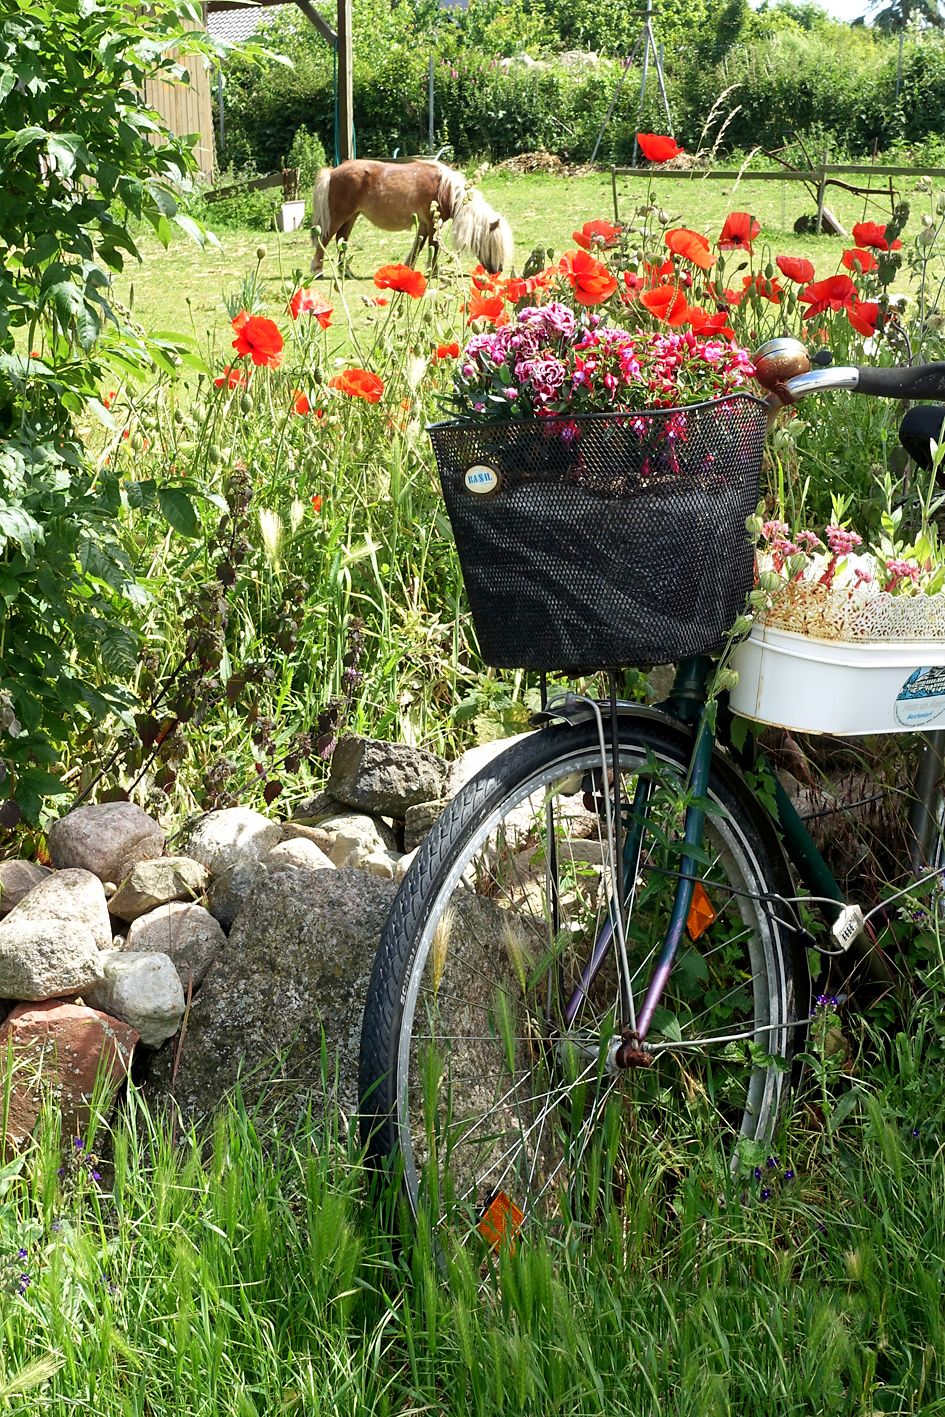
[[60, 1047]]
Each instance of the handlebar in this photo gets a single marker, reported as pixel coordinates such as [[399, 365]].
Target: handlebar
[[921, 381], [783, 367]]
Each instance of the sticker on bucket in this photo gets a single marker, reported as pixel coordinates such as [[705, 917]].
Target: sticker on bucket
[[483, 480], [921, 700]]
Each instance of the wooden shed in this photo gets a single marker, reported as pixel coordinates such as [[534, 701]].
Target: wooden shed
[[186, 108]]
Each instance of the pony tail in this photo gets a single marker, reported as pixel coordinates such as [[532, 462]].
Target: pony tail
[[321, 209]]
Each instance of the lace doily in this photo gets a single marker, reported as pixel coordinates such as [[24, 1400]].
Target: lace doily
[[863, 615]]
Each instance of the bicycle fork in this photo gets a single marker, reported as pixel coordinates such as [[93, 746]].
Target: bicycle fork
[[629, 1053]]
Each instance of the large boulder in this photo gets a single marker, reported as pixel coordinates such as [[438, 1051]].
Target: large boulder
[[384, 778], [16, 879], [73, 897], [154, 883], [46, 959], [187, 934], [231, 837], [106, 839], [143, 990], [62, 1049], [298, 961]]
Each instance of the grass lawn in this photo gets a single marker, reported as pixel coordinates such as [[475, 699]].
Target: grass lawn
[[182, 289]]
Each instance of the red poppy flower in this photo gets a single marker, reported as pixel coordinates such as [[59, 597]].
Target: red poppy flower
[[739, 232], [515, 289], [863, 315], [233, 377], [666, 302], [259, 338], [656, 148], [316, 503], [691, 246], [306, 302], [401, 277], [873, 233], [796, 268], [768, 289], [376, 300], [711, 325], [634, 283], [446, 351], [487, 307], [600, 234], [107, 399], [591, 282], [483, 279], [359, 384], [300, 402], [834, 293], [858, 261]]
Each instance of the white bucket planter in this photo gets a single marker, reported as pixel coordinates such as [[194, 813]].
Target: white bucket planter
[[842, 687], [290, 216]]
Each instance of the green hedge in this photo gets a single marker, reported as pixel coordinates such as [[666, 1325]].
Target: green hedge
[[836, 84]]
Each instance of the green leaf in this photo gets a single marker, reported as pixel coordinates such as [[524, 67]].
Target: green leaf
[[193, 229], [179, 510], [17, 525]]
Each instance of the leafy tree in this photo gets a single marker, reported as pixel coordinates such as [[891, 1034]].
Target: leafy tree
[[893, 15], [84, 163]]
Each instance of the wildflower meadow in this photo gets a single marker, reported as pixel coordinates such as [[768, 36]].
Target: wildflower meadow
[[219, 556]]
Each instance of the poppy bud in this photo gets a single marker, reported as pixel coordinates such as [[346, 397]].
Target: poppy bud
[[260, 253], [769, 271], [214, 457], [246, 404]]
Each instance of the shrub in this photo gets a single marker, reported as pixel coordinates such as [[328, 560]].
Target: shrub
[[83, 161]]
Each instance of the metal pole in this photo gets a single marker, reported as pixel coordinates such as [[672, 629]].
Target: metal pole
[[660, 79], [643, 77], [628, 65], [430, 99]]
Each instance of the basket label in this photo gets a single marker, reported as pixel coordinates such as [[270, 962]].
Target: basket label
[[921, 700], [482, 479]]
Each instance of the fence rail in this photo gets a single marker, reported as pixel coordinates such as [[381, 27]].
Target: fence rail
[[822, 176], [288, 180]]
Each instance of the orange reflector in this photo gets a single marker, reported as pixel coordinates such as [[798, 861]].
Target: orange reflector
[[501, 1220], [701, 914]]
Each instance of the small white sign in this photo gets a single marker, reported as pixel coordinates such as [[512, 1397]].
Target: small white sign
[[482, 479], [921, 700]]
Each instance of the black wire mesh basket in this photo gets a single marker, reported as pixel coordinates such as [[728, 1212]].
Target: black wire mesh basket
[[604, 540]]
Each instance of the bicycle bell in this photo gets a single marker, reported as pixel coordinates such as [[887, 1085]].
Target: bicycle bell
[[779, 359]]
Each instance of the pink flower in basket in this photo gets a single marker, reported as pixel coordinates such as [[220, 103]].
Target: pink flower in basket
[[547, 362]]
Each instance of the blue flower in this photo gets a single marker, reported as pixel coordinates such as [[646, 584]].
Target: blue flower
[[765, 1193], [789, 1174]]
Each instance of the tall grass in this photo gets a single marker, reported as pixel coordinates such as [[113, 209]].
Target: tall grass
[[242, 1271]]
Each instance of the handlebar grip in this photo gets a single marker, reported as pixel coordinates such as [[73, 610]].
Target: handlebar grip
[[924, 381]]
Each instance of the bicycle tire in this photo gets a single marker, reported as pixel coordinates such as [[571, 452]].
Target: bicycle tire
[[417, 1102]]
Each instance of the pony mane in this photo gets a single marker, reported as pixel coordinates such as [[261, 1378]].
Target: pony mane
[[450, 192]]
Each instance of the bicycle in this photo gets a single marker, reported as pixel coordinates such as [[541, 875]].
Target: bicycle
[[602, 934]]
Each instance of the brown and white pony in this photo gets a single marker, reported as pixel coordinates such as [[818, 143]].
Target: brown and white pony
[[395, 196]]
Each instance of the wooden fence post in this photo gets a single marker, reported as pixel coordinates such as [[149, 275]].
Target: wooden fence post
[[821, 192]]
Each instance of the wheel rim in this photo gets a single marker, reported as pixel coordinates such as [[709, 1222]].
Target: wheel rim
[[504, 1112]]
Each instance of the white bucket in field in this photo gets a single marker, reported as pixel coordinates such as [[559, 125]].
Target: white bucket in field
[[290, 216], [835, 686]]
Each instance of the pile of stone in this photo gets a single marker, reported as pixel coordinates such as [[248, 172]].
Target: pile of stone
[[226, 951]]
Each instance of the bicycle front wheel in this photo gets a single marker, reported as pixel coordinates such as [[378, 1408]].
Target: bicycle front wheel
[[489, 1059]]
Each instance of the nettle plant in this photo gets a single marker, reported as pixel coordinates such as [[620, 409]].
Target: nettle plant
[[84, 162]]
